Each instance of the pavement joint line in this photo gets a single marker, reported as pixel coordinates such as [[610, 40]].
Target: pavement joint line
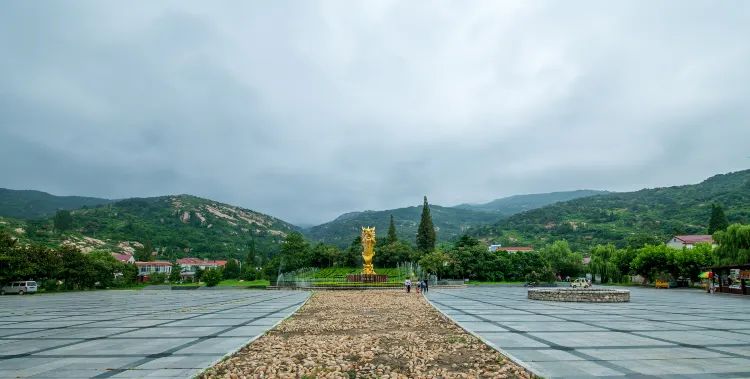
[[622, 370], [730, 354], [599, 361], [126, 318], [28, 354], [169, 352]]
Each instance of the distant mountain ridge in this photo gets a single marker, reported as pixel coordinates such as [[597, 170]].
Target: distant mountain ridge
[[22, 204], [450, 223], [180, 225], [521, 203], [649, 215]]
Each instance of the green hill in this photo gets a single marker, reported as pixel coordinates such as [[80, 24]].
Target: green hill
[[450, 223], [522, 203], [27, 203], [176, 225], [648, 215]]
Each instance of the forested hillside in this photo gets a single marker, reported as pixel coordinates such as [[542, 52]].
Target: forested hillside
[[26, 203], [645, 216], [522, 203], [449, 222], [175, 226]]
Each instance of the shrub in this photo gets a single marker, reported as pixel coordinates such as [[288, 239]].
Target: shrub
[[212, 277], [156, 278]]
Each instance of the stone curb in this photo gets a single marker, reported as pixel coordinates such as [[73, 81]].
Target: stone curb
[[515, 360], [252, 339]]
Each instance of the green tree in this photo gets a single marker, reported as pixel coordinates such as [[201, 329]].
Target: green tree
[[129, 273], [212, 277], [718, 219], [251, 257], [198, 273], [156, 278], [652, 261], [392, 237], [602, 263], [295, 252], [690, 261], [174, 275], [561, 259], [63, 220], [352, 256], [231, 270], [426, 231], [323, 255], [434, 262], [734, 245], [392, 254], [105, 267], [145, 253]]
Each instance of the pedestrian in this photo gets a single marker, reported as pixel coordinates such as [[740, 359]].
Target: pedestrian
[[426, 285], [423, 284], [418, 286], [407, 283]]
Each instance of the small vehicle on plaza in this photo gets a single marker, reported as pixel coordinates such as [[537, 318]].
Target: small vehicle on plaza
[[19, 287], [580, 283]]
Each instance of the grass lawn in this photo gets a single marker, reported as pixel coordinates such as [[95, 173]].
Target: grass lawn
[[237, 283], [230, 283]]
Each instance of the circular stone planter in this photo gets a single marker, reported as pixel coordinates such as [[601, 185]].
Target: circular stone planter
[[588, 295]]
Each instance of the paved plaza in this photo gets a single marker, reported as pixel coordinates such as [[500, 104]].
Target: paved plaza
[[666, 333], [133, 334]]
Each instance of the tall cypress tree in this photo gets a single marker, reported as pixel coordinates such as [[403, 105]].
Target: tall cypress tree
[[392, 238], [718, 219], [426, 231]]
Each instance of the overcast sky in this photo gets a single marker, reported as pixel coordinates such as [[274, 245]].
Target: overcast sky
[[308, 109]]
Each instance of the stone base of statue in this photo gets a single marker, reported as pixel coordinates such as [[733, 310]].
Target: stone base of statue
[[366, 278]]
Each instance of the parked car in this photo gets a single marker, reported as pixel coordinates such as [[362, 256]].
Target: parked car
[[21, 287], [580, 283]]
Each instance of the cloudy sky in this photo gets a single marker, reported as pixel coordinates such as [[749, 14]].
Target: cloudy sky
[[308, 109]]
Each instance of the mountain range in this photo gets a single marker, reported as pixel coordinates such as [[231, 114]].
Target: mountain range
[[650, 215], [187, 225]]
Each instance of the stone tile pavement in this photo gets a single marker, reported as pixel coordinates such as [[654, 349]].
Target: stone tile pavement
[[133, 334], [665, 333]]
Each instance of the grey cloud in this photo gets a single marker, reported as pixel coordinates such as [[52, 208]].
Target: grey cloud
[[308, 110]]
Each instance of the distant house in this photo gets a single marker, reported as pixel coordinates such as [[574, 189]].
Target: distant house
[[189, 265], [146, 268], [678, 242], [124, 258], [511, 249], [586, 260]]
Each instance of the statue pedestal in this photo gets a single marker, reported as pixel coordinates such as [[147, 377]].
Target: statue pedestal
[[366, 278]]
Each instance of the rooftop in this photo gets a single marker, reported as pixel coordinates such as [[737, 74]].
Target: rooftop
[[695, 238]]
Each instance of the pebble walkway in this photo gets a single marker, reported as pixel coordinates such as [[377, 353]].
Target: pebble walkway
[[366, 334]]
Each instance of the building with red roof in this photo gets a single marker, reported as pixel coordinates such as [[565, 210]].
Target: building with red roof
[[689, 241], [124, 258]]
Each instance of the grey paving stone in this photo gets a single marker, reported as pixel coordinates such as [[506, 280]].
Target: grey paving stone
[[675, 334], [133, 334]]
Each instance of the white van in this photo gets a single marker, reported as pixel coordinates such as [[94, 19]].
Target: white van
[[20, 288]]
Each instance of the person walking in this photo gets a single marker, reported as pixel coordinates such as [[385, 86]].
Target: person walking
[[407, 283], [423, 285], [418, 286], [426, 286]]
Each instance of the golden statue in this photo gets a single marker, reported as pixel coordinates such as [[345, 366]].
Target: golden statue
[[368, 241]]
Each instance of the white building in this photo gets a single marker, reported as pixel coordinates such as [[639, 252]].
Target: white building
[[678, 242], [189, 265], [146, 268], [511, 249]]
